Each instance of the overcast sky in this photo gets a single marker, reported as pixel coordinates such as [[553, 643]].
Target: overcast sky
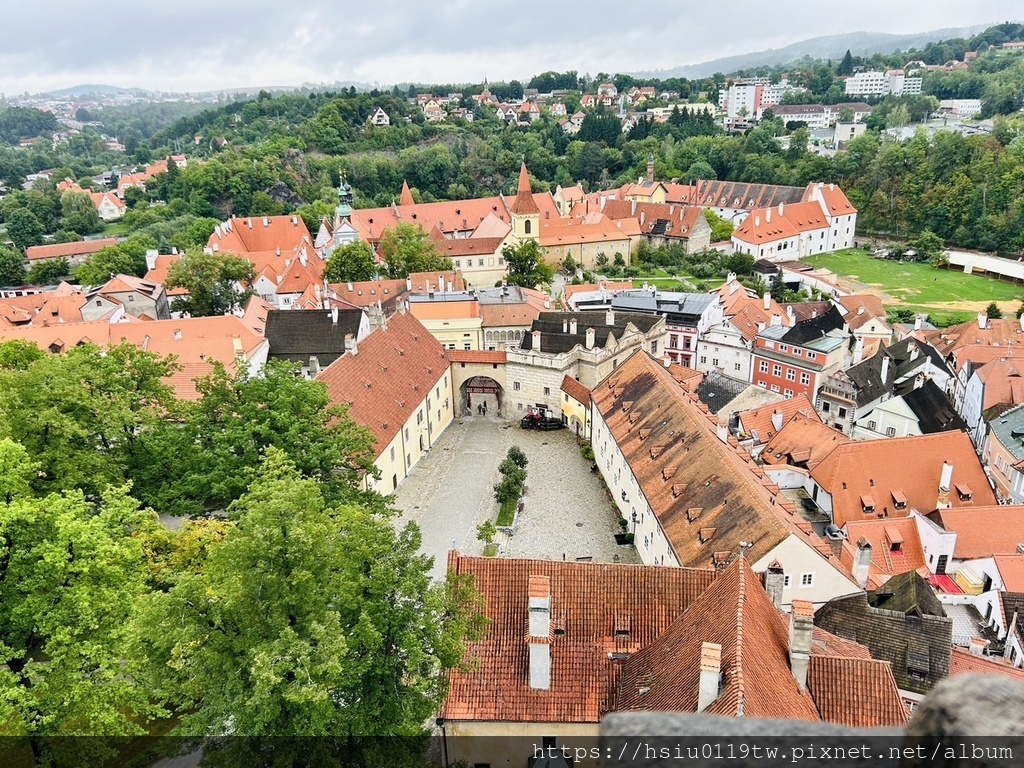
[[194, 45]]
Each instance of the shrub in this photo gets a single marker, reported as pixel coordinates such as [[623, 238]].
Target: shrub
[[516, 455], [587, 451]]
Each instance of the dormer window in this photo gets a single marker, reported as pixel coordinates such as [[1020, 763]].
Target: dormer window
[[867, 504], [964, 492]]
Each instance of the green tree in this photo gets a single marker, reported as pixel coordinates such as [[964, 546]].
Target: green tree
[[929, 246], [700, 170], [993, 311], [526, 265], [237, 417], [846, 65], [353, 261], [18, 354], [71, 577], [721, 229], [86, 416], [48, 271], [12, 267], [24, 228], [128, 258], [569, 265], [407, 249], [777, 287], [78, 214], [217, 283], [305, 619]]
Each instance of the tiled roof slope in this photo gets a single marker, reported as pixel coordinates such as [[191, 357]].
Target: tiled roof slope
[[967, 663], [882, 534], [921, 644], [983, 531], [875, 469], [575, 390], [589, 602], [690, 478], [759, 420], [804, 441], [389, 377], [736, 613]]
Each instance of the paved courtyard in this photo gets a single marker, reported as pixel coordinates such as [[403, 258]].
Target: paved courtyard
[[566, 513]]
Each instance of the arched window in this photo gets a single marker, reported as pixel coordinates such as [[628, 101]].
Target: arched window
[[527, 226]]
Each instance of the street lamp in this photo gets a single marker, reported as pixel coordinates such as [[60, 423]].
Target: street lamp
[[634, 521]]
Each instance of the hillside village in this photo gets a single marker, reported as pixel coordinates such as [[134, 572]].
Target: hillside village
[[756, 493]]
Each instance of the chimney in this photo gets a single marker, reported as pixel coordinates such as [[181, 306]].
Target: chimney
[[572, 326], [767, 298], [350, 286], [565, 325], [408, 284], [777, 421], [757, 221], [710, 675], [982, 320], [609, 317], [860, 310], [945, 483], [782, 209], [151, 257], [590, 338], [334, 315], [723, 433], [666, 361], [978, 646], [547, 303], [918, 320], [862, 565], [540, 632], [776, 319], [314, 366], [350, 344], [536, 341], [633, 212], [774, 580], [761, 326], [790, 313], [801, 629], [768, 216], [885, 368]]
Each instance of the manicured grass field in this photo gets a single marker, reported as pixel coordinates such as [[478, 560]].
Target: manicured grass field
[[916, 284]]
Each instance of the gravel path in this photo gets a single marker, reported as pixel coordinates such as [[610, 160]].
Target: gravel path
[[565, 512]]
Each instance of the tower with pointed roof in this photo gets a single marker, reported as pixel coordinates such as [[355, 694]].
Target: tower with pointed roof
[[524, 211], [406, 196], [344, 232]]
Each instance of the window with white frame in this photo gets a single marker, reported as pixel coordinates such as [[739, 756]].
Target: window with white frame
[[786, 581], [806, 580]]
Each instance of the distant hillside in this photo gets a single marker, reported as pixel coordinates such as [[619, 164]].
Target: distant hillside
[[106, 90], [828, 47]]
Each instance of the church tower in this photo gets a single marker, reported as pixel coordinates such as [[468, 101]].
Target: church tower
[[524, 210], [344, 232]]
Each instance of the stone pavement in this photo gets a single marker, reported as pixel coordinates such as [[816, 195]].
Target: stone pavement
[[565, 509]]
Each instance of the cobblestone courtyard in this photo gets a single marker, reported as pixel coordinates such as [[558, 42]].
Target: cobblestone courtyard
[[565, 512]]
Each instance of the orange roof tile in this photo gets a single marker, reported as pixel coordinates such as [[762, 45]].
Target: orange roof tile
[[804, 441], [1011, 571], [388, 379], [524, 204], [760, 420], [589, 601], [983, 531], [879, 467], [882, 534], [266, 234], [966, 663], [575, 390], [68, 250], [476, 356]]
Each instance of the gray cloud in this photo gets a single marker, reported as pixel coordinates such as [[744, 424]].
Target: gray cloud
[[201, 45]]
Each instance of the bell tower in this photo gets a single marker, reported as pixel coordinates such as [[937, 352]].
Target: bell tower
[[524, 211]]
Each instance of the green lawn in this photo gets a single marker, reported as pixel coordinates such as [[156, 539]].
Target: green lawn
[[921, 285], [507, 513], [114, 229]]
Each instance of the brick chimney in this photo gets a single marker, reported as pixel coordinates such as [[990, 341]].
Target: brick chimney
[[801, 630], [945, 483], [862, 563], [536, 341], [710, 675], [774, 581], [590, 338], [540, 632]]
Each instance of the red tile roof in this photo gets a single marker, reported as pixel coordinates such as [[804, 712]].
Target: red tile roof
[[260, 234], [476, 356], [1011, 570], [966, 663], [983, 531], [524, 204], [736, 613], [589, 603], [877, 468], [394, 370], [575, 390], [882, 534], [646, 409], [68, 250], [804, 441], [759, 420]]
